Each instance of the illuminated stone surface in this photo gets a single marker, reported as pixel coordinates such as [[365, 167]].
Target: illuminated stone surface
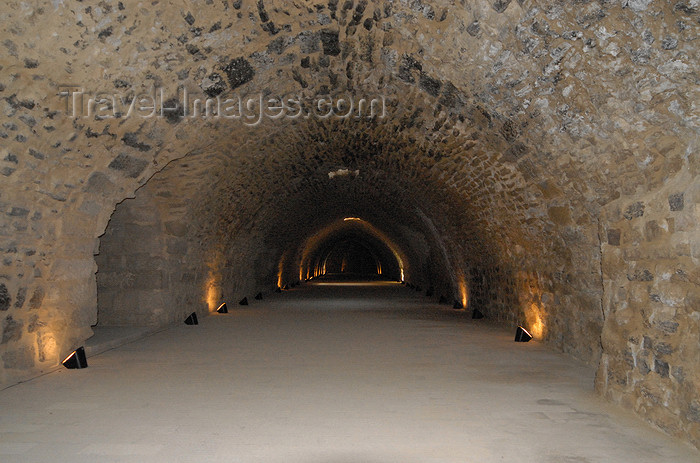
[[540, 156]]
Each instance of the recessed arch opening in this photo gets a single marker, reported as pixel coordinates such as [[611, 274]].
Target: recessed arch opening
[[348, 256], [354, 250], [346, 245]]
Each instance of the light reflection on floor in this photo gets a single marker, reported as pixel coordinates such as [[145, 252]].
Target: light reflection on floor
[[354, 283], [345, 279]]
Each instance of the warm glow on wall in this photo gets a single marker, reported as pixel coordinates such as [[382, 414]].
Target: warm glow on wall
[[213, 294], [48, 347], [280, 269], [463, 291], [534, 318], [347, 219], [399, 260], [212, 287], [537, 328], [533, 302], [213, 291]]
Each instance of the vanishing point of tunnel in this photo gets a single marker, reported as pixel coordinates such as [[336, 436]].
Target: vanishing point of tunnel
[[421, 177]]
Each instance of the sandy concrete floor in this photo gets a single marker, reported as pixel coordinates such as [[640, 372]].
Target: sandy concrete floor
[[328, 374]]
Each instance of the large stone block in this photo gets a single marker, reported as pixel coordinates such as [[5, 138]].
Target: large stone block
[[5, 298], [22, 358], [11, 330], [65, 269]]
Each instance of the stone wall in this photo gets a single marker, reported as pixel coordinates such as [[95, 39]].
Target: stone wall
[[651, 279], [150, 271], [518, 139]]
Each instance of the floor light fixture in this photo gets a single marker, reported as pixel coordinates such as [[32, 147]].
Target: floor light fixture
[[192, 319], [521, 335], [76, 359]]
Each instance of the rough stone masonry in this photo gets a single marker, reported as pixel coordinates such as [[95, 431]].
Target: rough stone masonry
[[538, 160]]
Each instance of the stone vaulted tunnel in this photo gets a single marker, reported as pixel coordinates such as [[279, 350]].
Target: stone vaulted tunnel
[[535, 160]]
